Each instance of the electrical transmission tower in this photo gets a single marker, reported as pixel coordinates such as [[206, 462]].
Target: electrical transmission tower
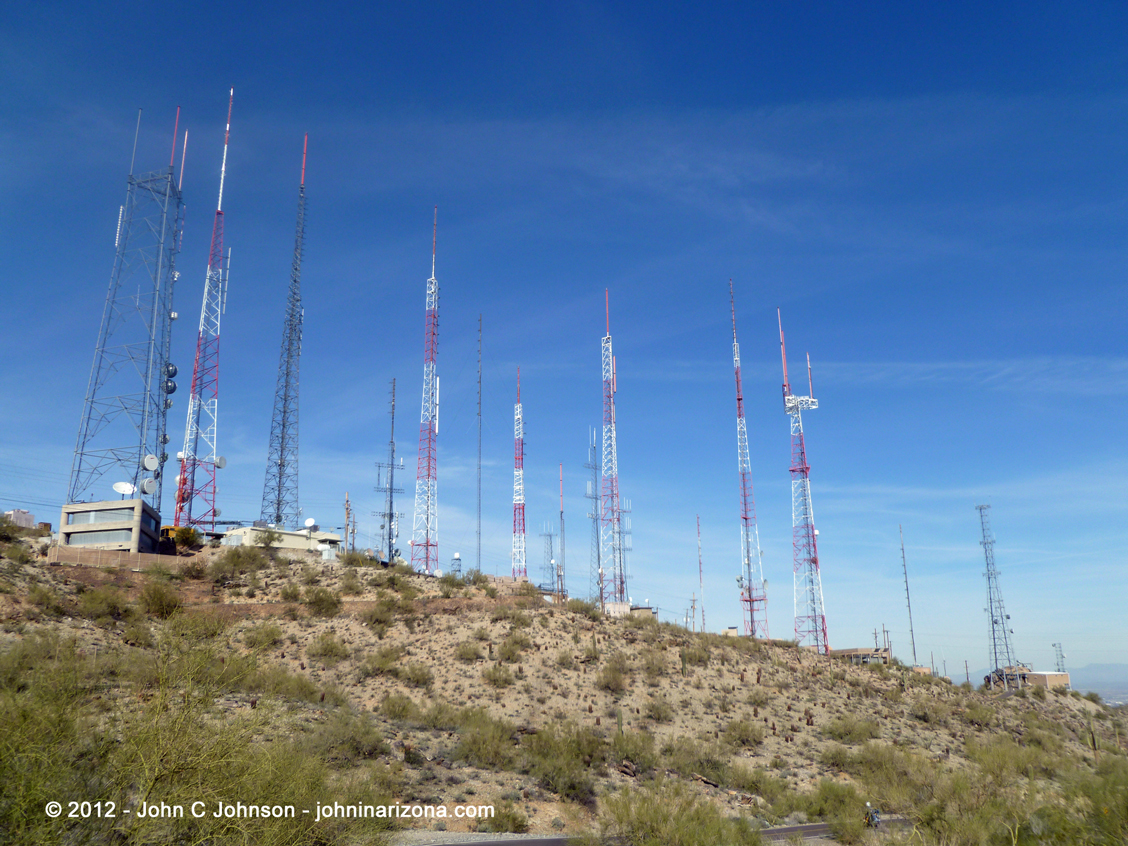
[[596, 566], [425, 535], [280, 490], [753, 588], [810, 618], [1004, 667], [548, 568], [612, 529], [386, 484], [123, 426], [195, 492], [1059, 661], [520, 570]]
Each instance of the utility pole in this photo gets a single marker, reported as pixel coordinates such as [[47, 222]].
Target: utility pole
[[386, 484]]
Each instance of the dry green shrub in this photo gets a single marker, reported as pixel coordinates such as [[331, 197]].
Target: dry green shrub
[[104, 605], [564, 660], [659, 710], [263, 636], [559, 757], [670, 813], [528, 589], [636, 747], [291, 593], [347, 738], [696, 655], [417, 675], [849, 728], [687, 755], [584, 608], [160, 600], [506, 819], [743, 733], [46, 600], [350, 583], [322, 602], [328, 648], [485, 742], [383, 662], [511, 648], [614, 677], [497, 675], [467, 652]]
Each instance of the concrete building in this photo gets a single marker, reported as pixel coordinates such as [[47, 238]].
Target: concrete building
[[127, 524], [865, 655], [21, 518], [326, 543], [1046, 679]]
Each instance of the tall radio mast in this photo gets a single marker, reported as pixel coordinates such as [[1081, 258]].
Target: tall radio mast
[[753, 588], [425, 535], [612, 546], [195, 492], [810, 617], [520, 570]]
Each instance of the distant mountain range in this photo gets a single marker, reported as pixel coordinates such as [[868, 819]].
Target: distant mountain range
[[1109, 680]]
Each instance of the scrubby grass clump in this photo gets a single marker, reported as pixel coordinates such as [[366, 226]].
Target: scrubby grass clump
[[670, 813], [160, 599]]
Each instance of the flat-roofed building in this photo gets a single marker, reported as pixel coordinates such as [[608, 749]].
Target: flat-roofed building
[[128, 524], [21, 518]]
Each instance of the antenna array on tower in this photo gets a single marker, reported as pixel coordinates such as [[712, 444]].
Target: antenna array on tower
[[753, 589], [425, 534], [520, 569], [810, 618], [123, 429], [1004, 667], [280, 490], [613, 547], [196, 488]]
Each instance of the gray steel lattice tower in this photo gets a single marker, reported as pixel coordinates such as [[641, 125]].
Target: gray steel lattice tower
[[596, 566], [387, 486], [613, 529], [280, 490], [1002, 654], [123, 427]]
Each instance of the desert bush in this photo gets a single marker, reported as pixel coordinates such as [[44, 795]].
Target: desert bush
[[758, 697], [396, 706], [929, 711], [322, 602], [696, 655], [383, 662], [979, 715], [18, 553], [497, 675], [614, 676], [267, 540], [467, 651], [743, 733], [103, 605], [263, 636], [636, 747], [506, 819], [328, 648], [511, 648], [187, 537], [835, 756], [659, 710], [670, 813], [485, 742], [46, 600], [564, 660], [441, 715], [653, 664], [160, 600], [559, 758], [480, 634], [527, 589], [291, 593], [347, 738], [849, 728], [355, 559], [584, 608], [417, 675], [475, 578], [350, 583], [687, 755], [507, 613]]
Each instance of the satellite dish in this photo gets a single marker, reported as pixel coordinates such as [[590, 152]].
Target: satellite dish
[[170, 370], [220, 463], [178, 478], [180, 456], [172, 315], [310, 523], [124, 488], [217, 512], [149, 486], [457, 556], [438, 574], [164, 439], [150, 462]]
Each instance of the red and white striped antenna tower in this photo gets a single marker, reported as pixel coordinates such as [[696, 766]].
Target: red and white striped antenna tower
[[810, 617], [753, 588], [195, 486], [613, 547], [520, 570], [425, 534]]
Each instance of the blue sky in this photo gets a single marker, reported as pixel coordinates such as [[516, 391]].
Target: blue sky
[[935, 196]]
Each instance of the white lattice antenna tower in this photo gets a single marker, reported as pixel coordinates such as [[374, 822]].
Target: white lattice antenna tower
[[520, 568]]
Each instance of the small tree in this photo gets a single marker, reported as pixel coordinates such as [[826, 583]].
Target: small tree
[[267, 539], [187, 538]]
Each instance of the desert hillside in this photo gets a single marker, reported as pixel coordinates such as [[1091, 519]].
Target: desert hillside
[[246, 674]]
